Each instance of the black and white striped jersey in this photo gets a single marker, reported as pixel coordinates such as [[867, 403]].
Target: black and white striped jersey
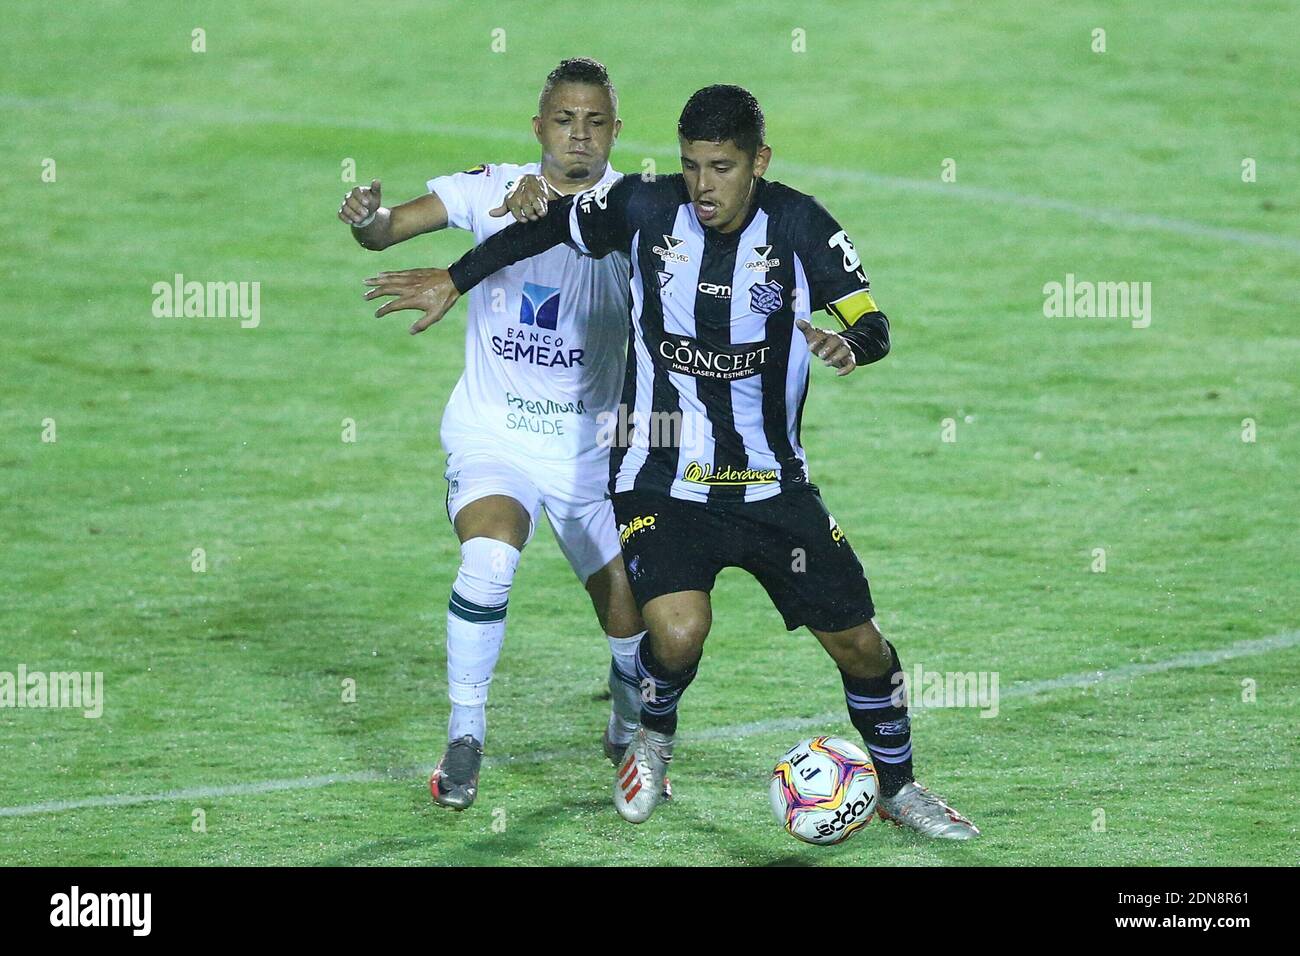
[[717, 372]]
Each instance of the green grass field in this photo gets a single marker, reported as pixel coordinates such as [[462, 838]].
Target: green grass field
[[329, 561]]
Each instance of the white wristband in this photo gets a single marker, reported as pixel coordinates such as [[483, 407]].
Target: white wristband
[[367, 221]]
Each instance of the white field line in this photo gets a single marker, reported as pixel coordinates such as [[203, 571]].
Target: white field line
[[1116, 218], [1192, 659]]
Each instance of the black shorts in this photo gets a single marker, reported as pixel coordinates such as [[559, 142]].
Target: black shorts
[[789, 542]]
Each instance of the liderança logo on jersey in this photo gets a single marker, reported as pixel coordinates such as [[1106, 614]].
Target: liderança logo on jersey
[[692, 357], [727, 475]]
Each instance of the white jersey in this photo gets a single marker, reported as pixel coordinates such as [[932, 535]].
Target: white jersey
[[546, 342]]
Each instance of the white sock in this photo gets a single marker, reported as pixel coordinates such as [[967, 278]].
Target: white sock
[[624, 689], [476, 627]]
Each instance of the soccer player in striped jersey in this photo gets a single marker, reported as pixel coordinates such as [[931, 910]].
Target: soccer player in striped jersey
[[543, 358], [727, 271]]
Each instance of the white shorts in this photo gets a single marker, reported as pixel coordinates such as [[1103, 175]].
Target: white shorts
[[576, 505]]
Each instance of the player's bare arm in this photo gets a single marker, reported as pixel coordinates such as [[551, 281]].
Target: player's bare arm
[[376, 227]]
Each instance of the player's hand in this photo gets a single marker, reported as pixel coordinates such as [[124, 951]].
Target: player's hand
[[360, 204], [528, 200], [829, 347], [430, 291]]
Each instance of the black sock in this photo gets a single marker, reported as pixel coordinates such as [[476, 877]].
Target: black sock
[[661, 689], [878, 709]]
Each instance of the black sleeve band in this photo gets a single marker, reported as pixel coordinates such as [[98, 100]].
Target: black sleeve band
[[523, 240], [868, 337]]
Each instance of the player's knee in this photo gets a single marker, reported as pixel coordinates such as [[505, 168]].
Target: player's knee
[[679, 644], [487, 569], [861, 652], [498, 517]]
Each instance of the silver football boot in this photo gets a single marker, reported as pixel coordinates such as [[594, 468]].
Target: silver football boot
[[454, 782], [918, 809], [640, 781], [615, 752]]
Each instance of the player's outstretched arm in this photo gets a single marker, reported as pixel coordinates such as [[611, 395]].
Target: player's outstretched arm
[[519, 241], [430, 291], [435, 291], [375, 226]]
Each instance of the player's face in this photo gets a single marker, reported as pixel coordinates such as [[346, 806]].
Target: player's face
[[720, 179], [577, 129]]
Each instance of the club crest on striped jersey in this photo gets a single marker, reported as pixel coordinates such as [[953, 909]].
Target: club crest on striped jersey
[[764, 261], [539, 306], [668, 251], [765, 298]]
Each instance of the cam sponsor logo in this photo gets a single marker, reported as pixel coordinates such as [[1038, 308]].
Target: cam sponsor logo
[[765, 298], [539, 306], [535, 348], [635, 526], [692, 357], [705, 475], [668, 252], [764, 261], [709, 288], [74, 908]]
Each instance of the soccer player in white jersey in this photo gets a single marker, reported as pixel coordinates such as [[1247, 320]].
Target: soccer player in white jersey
[[544, 356]]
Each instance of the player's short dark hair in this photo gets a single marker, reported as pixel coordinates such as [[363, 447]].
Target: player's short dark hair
[[723, 112], [579, 69]]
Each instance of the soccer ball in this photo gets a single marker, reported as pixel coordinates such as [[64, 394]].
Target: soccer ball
[[824, 790]]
